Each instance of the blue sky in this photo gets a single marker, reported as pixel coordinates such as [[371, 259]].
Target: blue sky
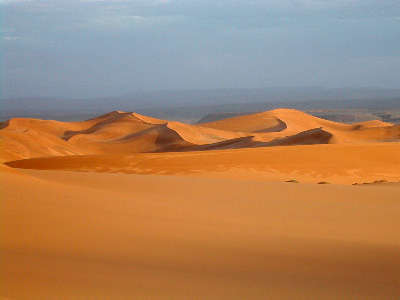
[[94, 48]]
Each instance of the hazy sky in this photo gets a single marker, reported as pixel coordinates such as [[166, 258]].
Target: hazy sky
[[92, 48]]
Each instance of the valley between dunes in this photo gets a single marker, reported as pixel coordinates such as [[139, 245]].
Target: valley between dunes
[[125, 206]]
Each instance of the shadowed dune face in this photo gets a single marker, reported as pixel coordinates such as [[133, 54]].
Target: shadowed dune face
[[308, 137], [111, 124]]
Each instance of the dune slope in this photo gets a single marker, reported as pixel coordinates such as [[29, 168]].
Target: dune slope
[[108, 236], [284, 123], [116, 132], [345, 164], [125, 133]]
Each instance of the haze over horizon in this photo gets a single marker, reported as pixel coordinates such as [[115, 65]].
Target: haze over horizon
[[89, 49]]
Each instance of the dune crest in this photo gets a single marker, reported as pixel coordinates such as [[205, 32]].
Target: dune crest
[[120, 132]]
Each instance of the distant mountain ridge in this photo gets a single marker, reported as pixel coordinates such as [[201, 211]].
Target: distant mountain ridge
[[192, 105]]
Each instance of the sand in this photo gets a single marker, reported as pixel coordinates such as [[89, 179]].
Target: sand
[[126, 133], [88, 213], [342, 164], [113, 236]]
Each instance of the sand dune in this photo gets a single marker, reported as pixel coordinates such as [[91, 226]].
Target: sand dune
[[107, 236], [115, 132], [372, 123], [345, 164], [294, 121], [24, 138], [283, 123], [239, 217], [257, 122], [110, 126], [108, 142], [126, 133], [201, 135], [308, 137]]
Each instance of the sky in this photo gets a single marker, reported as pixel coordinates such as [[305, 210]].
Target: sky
[[98, 48]]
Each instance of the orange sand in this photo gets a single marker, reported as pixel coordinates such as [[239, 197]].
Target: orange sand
[[345, 164], [113, 236], [126, 133], [223, 225]]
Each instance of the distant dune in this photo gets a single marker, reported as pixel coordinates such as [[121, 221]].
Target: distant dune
[[286, 122], [125, 133], [102, 143], [219, 116]]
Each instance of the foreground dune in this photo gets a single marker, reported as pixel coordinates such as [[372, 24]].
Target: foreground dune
[[113, 236]]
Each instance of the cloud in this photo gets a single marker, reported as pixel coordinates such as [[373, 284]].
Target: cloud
[[141, 2], [113, 45], [11, 38], [14, 1], [124, 22]]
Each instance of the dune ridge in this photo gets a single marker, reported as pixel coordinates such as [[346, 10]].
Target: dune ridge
[[125, 133], [341, 153]]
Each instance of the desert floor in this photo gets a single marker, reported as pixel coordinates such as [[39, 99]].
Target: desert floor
[[86, 235]]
